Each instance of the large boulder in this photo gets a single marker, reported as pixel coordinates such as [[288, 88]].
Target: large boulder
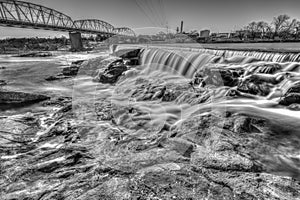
[[111, 73], [73, 69], [289, 99], [132, 55], [70, 70], [128, 53], [217, 76], [293, 88]]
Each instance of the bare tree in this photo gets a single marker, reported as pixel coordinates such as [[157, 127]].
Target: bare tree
[[292, 26], [297, 29], [241, 34], [252, 28], [263, 27], [280, 22], [282, 26], [287, 28]]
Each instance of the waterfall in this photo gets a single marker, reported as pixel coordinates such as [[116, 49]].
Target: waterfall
[[186, 62], [183, 63], [262, 56]]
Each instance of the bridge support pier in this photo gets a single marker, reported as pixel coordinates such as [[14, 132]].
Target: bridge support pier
[[76, 41]]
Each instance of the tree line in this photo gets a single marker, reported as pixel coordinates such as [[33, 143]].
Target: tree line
[[282, 26]]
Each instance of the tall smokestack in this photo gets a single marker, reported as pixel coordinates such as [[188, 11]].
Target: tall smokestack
[[181, 27]]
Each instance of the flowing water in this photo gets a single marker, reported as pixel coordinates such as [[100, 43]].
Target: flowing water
[[288, 56], [28, 75], [172, 95], [186, 63], [169, 66]]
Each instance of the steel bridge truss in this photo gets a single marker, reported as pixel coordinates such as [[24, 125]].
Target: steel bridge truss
[[124, 31], [28, 15], [94, 26]]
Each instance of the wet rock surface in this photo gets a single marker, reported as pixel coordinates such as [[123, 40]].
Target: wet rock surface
[[152, 138], [57, 77], [131, 56], [3, 82], [67, 71], [73, 69], [11, 97], [111, 73], [36, 54], [201, 158]]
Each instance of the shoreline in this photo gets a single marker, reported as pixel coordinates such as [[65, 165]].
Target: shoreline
[[225, 46], [257, 50], [228, 48]]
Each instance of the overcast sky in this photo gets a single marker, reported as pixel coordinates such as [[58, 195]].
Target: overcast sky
[[216, 15]]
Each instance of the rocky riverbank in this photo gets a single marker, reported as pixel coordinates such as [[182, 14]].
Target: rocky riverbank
[[139, 133]]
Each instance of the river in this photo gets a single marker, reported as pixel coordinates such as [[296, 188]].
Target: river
[[184, 123]]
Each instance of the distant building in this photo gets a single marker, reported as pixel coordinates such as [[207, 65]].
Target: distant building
[[181, 27], [222, 35], [219, 36], [203, 36], [204, 33], [239, 34]]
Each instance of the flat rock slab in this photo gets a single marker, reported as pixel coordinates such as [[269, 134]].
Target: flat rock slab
[[10, 97]]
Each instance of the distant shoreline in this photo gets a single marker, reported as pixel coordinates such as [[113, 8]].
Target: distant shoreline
[[252, 41], [257, 50], [270, 47]]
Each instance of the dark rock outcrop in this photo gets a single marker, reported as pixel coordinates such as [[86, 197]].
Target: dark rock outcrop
[[67, 72], [57, 77], [70, 70], [217, 76], [294, 88], [10, 97], [291, 98], [73, 69], [111, 73], [291, 95], [130, 55], [3, 82], [78, 62], [260, 89]]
